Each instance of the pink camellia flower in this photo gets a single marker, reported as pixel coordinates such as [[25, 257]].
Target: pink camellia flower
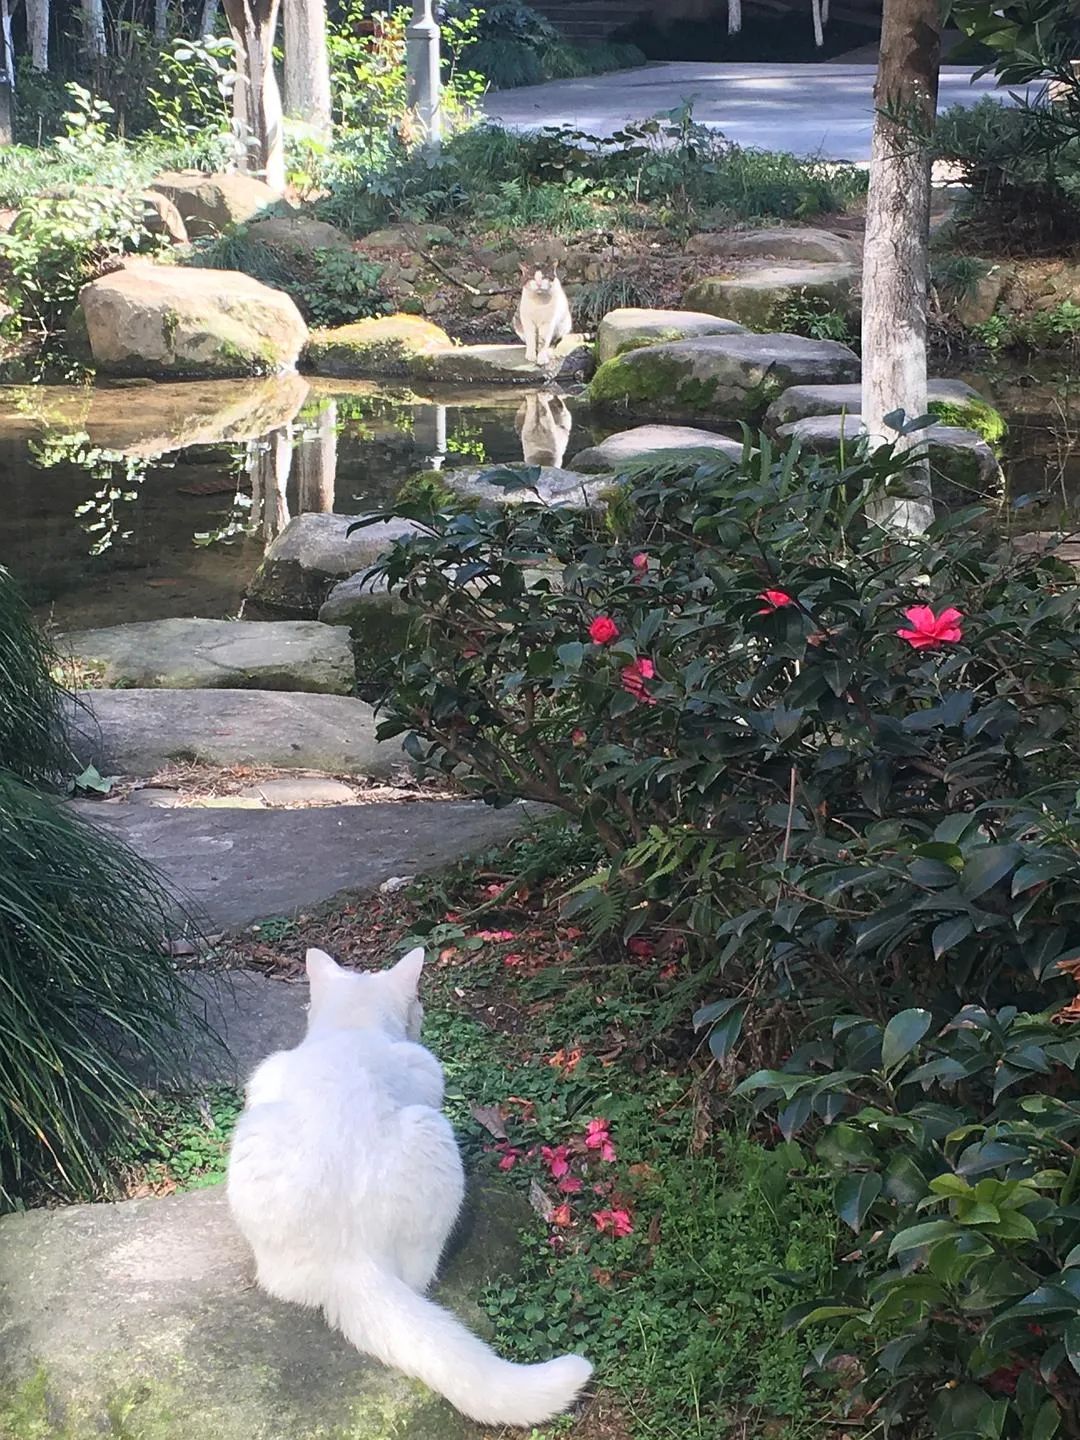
[[494, 935], [640, 562], [613, 1222], [633, 677], [928, 631], [557, 1159], [578, 738], [774, 600], [570, 1185], [603, 630], [598, 1137], [561, 1215], [509, 1156]]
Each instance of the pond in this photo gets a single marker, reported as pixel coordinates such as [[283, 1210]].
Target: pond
[[139, 501]]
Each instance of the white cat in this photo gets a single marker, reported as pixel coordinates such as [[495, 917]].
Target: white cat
[[544, 424], [345, 1179], [543, 316]]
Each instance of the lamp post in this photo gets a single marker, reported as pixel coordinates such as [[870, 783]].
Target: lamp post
[[423, 81]]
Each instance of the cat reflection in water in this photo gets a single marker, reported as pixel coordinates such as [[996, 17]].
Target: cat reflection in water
[[543, 314], [544, 424]]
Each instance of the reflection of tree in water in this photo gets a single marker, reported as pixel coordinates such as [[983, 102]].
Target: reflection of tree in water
[[102, 516]]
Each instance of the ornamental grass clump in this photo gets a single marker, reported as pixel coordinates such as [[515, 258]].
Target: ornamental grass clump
[[86, 985]]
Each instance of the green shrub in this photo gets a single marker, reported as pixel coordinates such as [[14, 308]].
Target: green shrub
[[330, 287], [84, 978]]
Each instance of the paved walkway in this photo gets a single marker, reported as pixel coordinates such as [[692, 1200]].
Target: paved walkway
[[808, 109]]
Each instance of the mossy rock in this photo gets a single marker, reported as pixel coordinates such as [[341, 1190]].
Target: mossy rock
[[631, 329], [389, 345], [974, 414], [761, 298], [722, 377]]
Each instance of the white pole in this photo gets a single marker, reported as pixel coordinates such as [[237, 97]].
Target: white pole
[[423, 80]]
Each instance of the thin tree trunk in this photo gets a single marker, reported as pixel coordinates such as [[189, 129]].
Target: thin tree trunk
[[316, 464], [93, 14], [161, 19], [37, 34], [7, 75], [734, 16], [897, 245], [307, 64], [257, 102], [207, 18], [819, 23]]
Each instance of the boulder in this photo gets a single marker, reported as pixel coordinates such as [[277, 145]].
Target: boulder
[[314, 551], [561, 489], [784, 243], [409, 347], [147, 1310], [719, 377], [628, 329], [800, 401], [208, 654], [168, 321], [209, 204], [627, 445], [963, 467], [298, 236], [139, 732], [408, 237], [758, 298]]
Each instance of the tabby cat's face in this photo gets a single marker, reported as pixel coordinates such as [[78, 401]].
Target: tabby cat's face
[[540, 282]]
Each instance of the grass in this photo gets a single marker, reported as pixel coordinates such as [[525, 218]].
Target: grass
[[31, 744]]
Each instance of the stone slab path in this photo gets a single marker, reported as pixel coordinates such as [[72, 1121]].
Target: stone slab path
[[825, 109], [237, 865], [138, 732], [145, 1312]]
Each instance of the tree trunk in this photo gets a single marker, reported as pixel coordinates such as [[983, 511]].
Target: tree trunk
[[93, 15], [207, 18], [734, 16], [897, 245], [257, 102], [269, 462], [819, 22], [316, 464], [307, 64], [161, 19], [37, 34]]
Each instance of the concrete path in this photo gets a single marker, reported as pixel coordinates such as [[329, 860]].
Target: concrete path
[[807, 109], [236, 866]]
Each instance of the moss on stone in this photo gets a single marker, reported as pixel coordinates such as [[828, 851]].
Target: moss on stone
[[389, 345], [619, 384], [972, 414]]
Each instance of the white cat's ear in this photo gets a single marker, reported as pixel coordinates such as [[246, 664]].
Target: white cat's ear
[[320, 965], [406, 972]]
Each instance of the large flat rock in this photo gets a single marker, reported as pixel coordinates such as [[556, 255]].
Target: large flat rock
[[760, 297], [138, 732], [312, 553], [717, 377], [145, 1314], [628, 445], [561, 489], [799, 401], [798, 243], [629, 328], [217, 654], [233, 866]]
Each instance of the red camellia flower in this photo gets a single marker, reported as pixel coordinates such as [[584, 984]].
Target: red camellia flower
[[613, 1222], [633, 677], [774, 600], [929, 631], [603, 630], [640, 562]]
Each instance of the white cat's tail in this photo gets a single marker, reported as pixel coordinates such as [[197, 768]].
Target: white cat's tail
[[381, 1316]]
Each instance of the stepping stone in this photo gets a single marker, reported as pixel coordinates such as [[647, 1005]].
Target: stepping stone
[[139, 732], [717, 377], [565, 489], [301, 790], [314, 551], [800, 401], [148, 1310], [208, 654], [233, 866], [757, 298], [628, 329], [787, 243], [963, 467], [643, 440]]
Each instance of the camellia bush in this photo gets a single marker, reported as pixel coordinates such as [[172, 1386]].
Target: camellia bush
[[842, 763]]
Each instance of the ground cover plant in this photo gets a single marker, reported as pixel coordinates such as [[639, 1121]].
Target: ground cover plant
[[84, 977], [836, 766]]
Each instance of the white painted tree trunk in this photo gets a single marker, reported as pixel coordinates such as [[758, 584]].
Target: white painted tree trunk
[[819, 22], [316, 464], [897, 245], [256, 100], [307, 65], [734, 16], [37, 34], [207, 18], [93, 14], [161, 19]]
